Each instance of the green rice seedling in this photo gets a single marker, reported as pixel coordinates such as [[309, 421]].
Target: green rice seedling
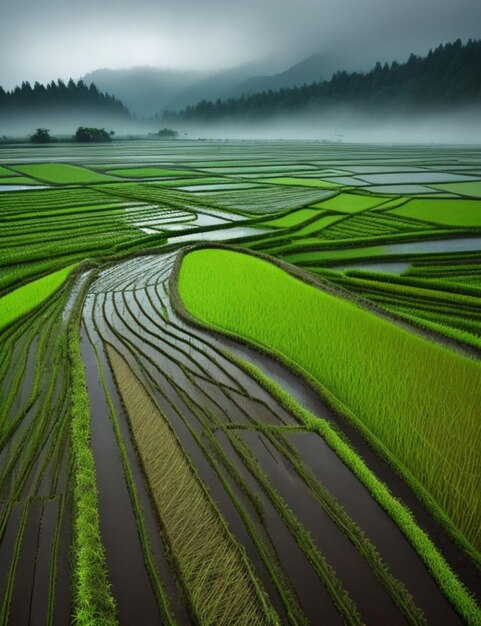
[[6, 173], [294, 218], [344, 603], [60, 173], [7, 598], [92, 599], [398, 591], [472, 188], [351, 202], [448, 212], [17, 180], [408, 408], [214, 452], [24, 299], [33, 201]]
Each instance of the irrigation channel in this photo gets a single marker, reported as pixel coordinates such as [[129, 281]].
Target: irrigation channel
[[312, 543]]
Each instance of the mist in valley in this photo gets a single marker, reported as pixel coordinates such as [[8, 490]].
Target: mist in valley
[[349, 125], [63, 125]]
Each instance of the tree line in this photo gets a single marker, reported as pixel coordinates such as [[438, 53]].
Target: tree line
[[447, 77], [70, 96]]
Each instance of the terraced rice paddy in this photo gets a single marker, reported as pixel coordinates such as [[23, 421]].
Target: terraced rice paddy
[[281, 430]]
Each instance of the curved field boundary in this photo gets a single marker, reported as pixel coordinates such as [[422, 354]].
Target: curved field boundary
[[439, 568], [372, 379]]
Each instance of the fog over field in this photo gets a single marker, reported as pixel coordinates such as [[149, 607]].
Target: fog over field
[[351, 126], [65, 124], [342, 125]]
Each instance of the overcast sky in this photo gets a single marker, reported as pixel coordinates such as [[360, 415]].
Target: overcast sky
[[46, 39]]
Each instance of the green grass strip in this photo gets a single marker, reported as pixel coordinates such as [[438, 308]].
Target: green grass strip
[[92, 598]]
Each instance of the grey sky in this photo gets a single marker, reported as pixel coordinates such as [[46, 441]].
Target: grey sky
[[45, 39]]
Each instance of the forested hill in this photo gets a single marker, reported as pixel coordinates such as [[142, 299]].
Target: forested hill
[[59, 97], [448, 77]]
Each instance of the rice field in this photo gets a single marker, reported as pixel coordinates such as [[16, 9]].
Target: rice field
[[281, 429], [326, 336], [22, 300]]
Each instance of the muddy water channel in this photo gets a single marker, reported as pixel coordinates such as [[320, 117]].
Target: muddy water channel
[[278, 487]]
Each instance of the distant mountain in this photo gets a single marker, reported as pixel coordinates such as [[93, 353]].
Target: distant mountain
[[147, 91], [448, 77], [218, 85], [315, 68], [144, 90]]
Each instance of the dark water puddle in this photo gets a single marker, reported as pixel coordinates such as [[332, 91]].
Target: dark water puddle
[[27, 378], [64, 464], [393, 546], [131, 585], [258, 412], [73, 295], [40, 591], [312, 594], [179, 351], [197, 352], [57, 460], [11, 443], [255, 391], [63, 591], [203, 394], [15, 362], [374, 604], [46, 446], [7, 544], [20, 610]]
